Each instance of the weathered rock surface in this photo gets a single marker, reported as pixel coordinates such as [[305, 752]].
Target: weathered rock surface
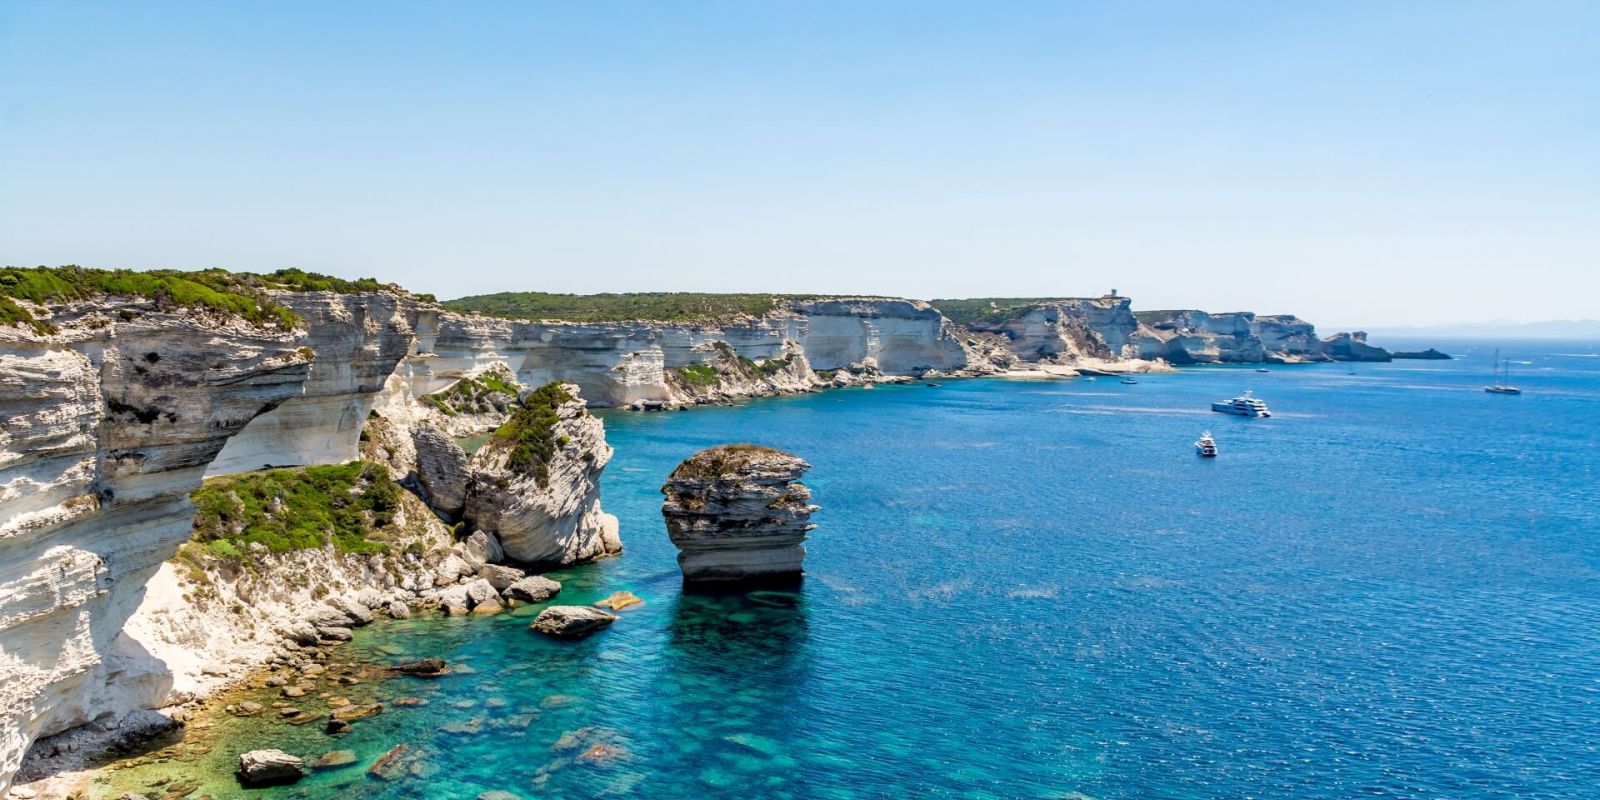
[[556, 519], [1353, 347], [571, 622], [441, 470], [533, 589], [108, 424], [738, 513], [425, 667], [358, 340], [269, 768]]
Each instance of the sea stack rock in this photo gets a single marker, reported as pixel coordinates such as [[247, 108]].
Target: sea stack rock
[[737, 512]]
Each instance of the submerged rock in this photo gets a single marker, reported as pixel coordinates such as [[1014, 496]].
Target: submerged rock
[[571, 622], [424, 668], [335, 759], [269, 768], [738, 513], [620, 600], [389, 766]]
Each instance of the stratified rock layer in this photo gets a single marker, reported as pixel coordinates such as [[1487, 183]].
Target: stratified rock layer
[[554, 519], [738, 513]]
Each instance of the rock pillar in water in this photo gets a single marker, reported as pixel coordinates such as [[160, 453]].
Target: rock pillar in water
[[738, 512]]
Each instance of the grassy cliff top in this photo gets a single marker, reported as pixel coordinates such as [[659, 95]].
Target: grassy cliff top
[[728, 460], [640, 306], [241, 294], [530, 432], [965, 311]]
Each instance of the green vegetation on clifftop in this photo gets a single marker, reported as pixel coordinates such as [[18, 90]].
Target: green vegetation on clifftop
[[213, 289], [990, 309], [475, 394], [641, 306], [343, 505], [530, 433], [240, 294]]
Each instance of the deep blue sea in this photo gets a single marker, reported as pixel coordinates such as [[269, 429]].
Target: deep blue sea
[[1036, 589]]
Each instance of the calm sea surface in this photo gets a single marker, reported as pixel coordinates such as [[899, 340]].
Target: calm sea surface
[[1036, 589]]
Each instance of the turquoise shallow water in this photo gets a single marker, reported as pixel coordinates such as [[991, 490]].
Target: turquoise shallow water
[[1030, 589]]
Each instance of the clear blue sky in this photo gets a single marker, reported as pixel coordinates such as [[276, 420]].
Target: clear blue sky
[[1392, 162]]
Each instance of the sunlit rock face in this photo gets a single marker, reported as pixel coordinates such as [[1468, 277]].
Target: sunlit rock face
[[1069, 330], [1198, 337], [738, 513], [629, 363], [555, 520], [1353, 347], [356, 340], [107, 427], [898, 337]]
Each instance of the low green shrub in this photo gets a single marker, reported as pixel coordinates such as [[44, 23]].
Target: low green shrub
[[343, 505], [530, 433]]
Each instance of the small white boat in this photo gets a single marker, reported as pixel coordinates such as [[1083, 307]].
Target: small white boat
[[1129, 380], [1206, 446], [1262, 369], [1245, 405], [1090, 379]]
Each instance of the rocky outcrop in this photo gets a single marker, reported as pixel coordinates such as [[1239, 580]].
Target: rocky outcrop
[[355, 341], [1353, 347], [738, 513], [1198, 337], [548, 512], [442, 471], [1430, 354]]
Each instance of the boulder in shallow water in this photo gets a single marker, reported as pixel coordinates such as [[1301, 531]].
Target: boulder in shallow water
[[533, 589], [738, 513], [356, 712], [500, 576], [571, 622], [269, 768]]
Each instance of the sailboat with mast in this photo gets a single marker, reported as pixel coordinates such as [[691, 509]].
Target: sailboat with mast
[[1502, 377]]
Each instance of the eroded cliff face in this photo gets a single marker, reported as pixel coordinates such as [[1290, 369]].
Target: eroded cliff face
[[355, 340], [552, 516], [1198, 337], [738, 513], [1062, 331], [108, 425], [638, 364]]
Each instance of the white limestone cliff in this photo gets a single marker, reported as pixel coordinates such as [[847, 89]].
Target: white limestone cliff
[[107, 426], [356, 340], [550, 517]]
